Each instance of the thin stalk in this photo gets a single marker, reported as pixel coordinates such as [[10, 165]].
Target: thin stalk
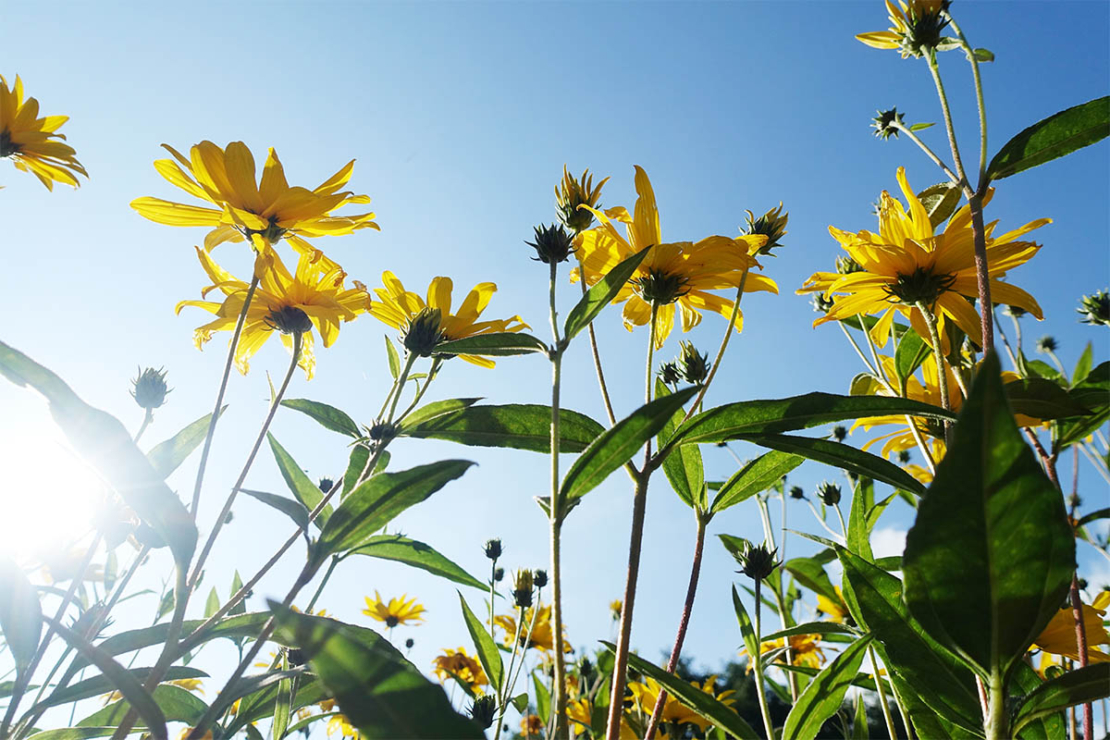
[[234, 345], [524, 651], [928, 152], [729, 328], [974, 61], [882, 692], [1095, 461], [791, 679], [840, 516], [597, 360], [902, 711], [822, 522], [683, 624], [504, 700], [942, 370], [399, 386], [556, 520], [934, 69], [780, 597], [757, 661], [436, 362], [492, 581], [867, 363], [639, 507], [147, 418], [323, 582]]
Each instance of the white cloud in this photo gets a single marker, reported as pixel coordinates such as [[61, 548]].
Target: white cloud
[[888, 541]]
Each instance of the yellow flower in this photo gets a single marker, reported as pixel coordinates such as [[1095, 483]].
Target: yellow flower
[[185, 734], [433, 320], [615, 608], [836, 611], [1059, 636], [915, 27], [189, 684], [581, 713], [531, 725], [646, 694], [680, 272], [804, 650], [243, 208], [460, 666], [905, 263], [543, 637], [312, 297], [572, 193], [340, 724], [34, 143], [397, 612]]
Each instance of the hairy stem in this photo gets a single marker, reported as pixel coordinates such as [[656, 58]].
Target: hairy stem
[[555, 516]]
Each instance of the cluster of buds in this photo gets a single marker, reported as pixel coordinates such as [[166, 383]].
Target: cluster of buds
[[771, 224], [149, 388]]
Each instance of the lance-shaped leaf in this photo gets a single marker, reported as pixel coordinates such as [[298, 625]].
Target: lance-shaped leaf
[[755, 477], [360, 455], [167, 456], [295, 510], [732, 420], [20, 613], [307, 492], [378, 500], [683, 467], [1054, 137], [487, 651], [616, 446], [76, 733], [1080, 686], [437, 409], [176, 703], [600, 295], [813, 628], [911, 352], [410, 552], [693, 697], [104, 442], [329, 417], [822, 697], [991, 555], [1043, 399], [99, 685], [382, 694], [810, 572], [517, 426], [747, 631], [496, 344]]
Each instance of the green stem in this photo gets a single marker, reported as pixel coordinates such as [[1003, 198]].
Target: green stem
[[399, 387], [323, 582], [597, 358], [942, 369], [931, 58], [147, 418], [882, 691], [503, 697], [720, 351], [757, 662], [952, 176], [492, 592], [840, 516], [436, 362], [974, 61], [556, 513], [998, 721]]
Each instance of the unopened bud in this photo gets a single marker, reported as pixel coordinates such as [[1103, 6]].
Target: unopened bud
[[149, 388]]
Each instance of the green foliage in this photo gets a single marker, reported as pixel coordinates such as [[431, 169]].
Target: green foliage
[[295, 510], [600, 295], [329, 417], [1052, 138], [1078, 686], [755, 477], [167, 456], [517, 426], [824, 694], [20, 613], [411, 552], [484, 646], [497, 344], [683, 467], [307, 492], [940, 200]]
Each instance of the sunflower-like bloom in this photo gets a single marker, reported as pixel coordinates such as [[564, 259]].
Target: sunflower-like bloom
[[531, 725], [915, 27], [1059, 636], [460, 666], [646, 694], [34, 143], [543, 636], [570, 194], [580, 712], [905, 263], [679, 272], [396, 612], [313, 297], [245, 207], [424, 324], [805, 650]]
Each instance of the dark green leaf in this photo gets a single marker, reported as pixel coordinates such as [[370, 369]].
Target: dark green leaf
[[1093, 516], [683, 467], [484, 646], [1055, 136], [822, 698], [812, 628], [940, 200], [329, 417], [600, 295], [403, 550], [307, 492], [858, 537], [1024, 682], [436, 409], [295, 510], [517, 426], [693, 697], [497, 344], [811, 573], [1083, 365], [382, 694], [755, 477], [616, 446], [393, 359], [991, 554], [104, 442], [167, 456], [378, 500], [1042, 399], [747, 631], [76, 733], [984, 55], [360, 455], [1079, 686], [20, 613], [177, 705], [99, 685]]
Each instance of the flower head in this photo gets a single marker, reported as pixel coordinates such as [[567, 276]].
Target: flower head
[[483, 710], [290, 304], [552, 244], [1058, 637], [805, 650], [571, 194], [905, 265], [836, 611], [682, 273], [771, 224], [241, 207], [915, 28], [646, 694], [34, 144], [396, 612], [829, 493], [1095, 308], [340, 725], [756, 561], [432, 320], [458, 665], [543, 636], [493, 549], [149, 388]]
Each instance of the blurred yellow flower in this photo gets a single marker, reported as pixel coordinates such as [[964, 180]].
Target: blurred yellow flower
[[1059, 636], [543, 637], [531, 725], [615, 608], [905, 263], [914, 27], [189, 684], [341, 725], [34, 144], [244, 207], [399, 308], [396, 612], [805, 650], [836, 611], [460, 666], [290, 303], [580, 712], [680, 272], [184, 734], [646, 694]]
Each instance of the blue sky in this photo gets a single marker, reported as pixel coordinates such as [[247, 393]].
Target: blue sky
[[461, 116]]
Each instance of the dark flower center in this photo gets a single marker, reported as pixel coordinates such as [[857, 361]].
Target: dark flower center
[[288, 320], [391, 621], [922, 286], [661, 288], [7, 148]]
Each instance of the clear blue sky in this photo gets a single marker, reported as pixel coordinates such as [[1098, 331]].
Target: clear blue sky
[[461, 116]]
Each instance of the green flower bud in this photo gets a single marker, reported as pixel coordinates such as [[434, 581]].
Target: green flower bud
[[771, 224], [572, 193], [552, 244], [539, 577], [829, 493], [493, 549], [326, 484], [693, 365], [669, 374], [424, 332], [840, 432], [499, 575], [903, 456], [522, 588], [821, 304], [845, 265], [797, 492], [886, 123], [1095, 308], [483, 711], [149, 388], [1047, 344], [1015, 311], [756, 562]]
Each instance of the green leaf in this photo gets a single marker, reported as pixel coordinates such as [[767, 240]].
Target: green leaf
[[731, 421], [693, 697], [20, 613], [1083, 365], [212, 604], [858, 537], [75, 733], [813, 628], [940, 200], [747, 631], [1052, 138], [281, 708], [984, 55], [991, 555], [811, 573], [104, 442], [911, 352], [543, 698], [600, 295], [378, 500], [1024, 682], [307, 492], [403, 550], [496, 344], [100, 685], [295, 510], [329, 417], [391, 356], [517, 426], [616, 446], [236, 584], [1092, 516], [360, 455], [167, 456], [1079, 686], [840, 456], [382, 694], [864, 384], [937, 678], [436, 409], [859, 721], [1042, 399], [755, 477], [488, 655], [683, 467], [176, 704], [822, 697], [921, 126]]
